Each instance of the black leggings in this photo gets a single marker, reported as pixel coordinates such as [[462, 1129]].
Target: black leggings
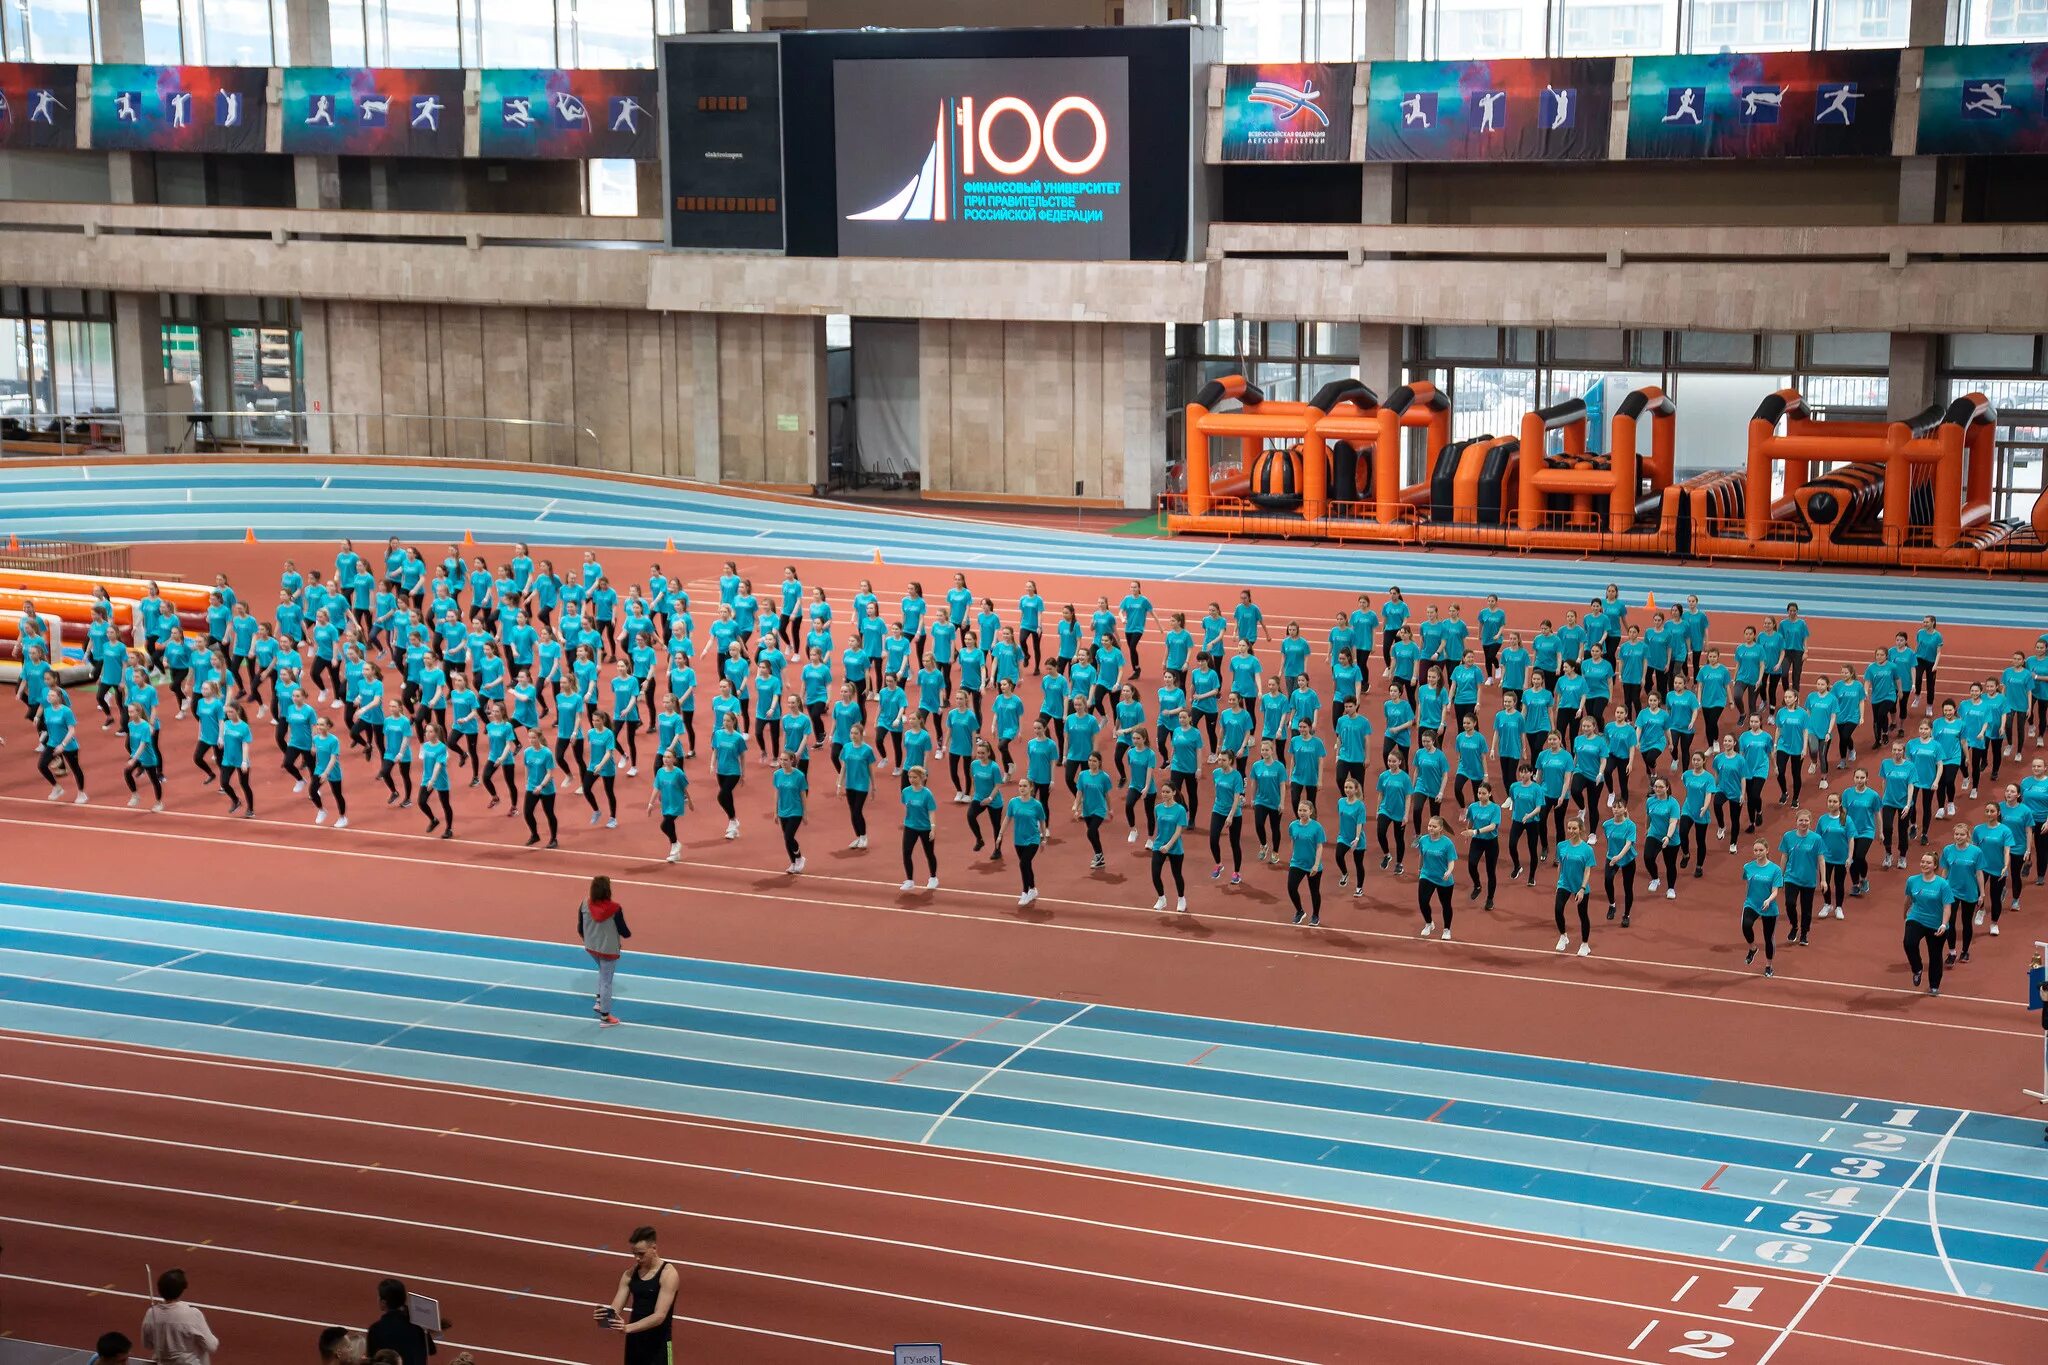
[[975, 810], [153, 771], [1026, 855], [228, 777], [1531, 833], [1558, 903], [611, 794], [856, 813], [1384, 823], [790, 825], [1480, 852], [1295, 877], [1917, 935], [1770, 923], [447, 819], [1266, 827], [544, 802], [912, 840], [1627, 874], [313, 789], [1132, 800], [1834, 883], [1962, 921], [47, 758], [1798, 912], [1657, 850], [1165, 860], [1091, 825], [1425, 892], [1790, 763], [402, 769], [1859, 862], [726, 783], [1898, 828], [1217, 826]]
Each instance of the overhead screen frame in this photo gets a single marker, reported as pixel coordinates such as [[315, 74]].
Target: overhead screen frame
[[1160, 79], [674, 113]]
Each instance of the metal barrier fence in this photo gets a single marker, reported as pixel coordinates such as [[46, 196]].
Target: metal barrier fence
[[286, 432], [63, 556]]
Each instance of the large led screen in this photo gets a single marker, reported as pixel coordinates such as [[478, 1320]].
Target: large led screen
[[999, 158]]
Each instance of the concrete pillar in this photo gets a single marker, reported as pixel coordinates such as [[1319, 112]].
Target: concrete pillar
[[1386, 30], [818, 421], [1144, 410], [1379, 357], [316, 182], [697, 341], [309, 38], [139, 376], [120, 28], [1144, 12], [1922, 190], [314, 378], [708, 16], [380, 185], [216, 375], [1915, 377], [1928, 22]]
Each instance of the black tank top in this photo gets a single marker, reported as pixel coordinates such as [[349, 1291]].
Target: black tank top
[[646, 1293]]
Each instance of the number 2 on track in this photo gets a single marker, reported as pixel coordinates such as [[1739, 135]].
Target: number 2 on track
[[1702, 1345]]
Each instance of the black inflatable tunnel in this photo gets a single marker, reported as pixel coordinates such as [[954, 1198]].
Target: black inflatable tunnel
[[1637, 403], [1403, 398], [1443, 479], [1214, 392], [1491, 474], [1341, 390], [1775, 406]]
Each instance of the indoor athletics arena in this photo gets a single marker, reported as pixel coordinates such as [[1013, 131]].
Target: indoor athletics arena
[[1206, 681]]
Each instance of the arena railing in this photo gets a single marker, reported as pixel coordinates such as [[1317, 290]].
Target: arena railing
[[291, 432]]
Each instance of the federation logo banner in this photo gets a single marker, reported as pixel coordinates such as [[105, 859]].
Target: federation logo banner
[[38, 106], [178, 108], [1763, 104], [372, 111], [1542, 109], [569, 115], [1288, 112], [1991, 99]]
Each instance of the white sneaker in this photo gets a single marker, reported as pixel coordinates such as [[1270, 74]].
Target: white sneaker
[[80, 799], [1994, 931], [1977, 920], [855, 843], [1823, 784], [675, 853], [612, 823], [319, 817], [1428, 931], [158, 808], [56, 793], [298, 788], [732, 829], [959, 798], [1131, 838], [342, 823], [862, 841], [334, 705], [1670, 893], [1655, 882], [1159, 904], [1181, 904], [798, 865], [595, 817], [1840, 913], [1585, 950], [1024, 898], [908, 886], [1445, 936], [1732, 848], [135, 801], [931, 883], [1564, 943]]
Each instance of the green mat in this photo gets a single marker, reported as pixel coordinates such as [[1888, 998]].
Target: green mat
[[1153, 525]]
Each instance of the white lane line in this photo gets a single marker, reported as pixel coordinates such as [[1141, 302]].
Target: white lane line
[[1648, 1328], [545, 510], [1202, 564], [1934, 1221], [989, 1074], [1841, 1262], [159, 967], [1683, 1289]]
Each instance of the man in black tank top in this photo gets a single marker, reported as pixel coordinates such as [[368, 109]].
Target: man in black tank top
[[644, 1304]]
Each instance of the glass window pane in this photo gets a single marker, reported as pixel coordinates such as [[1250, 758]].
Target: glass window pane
[[1600, 28], [237, 32], [1461, 29], [614, 189], [1262, 30], [1969, 353], [1278, 381], [1220, 338], [1465, 343], [1781, 351], [15, 374], [1338, 339], [518, 32], [1490, 402], [1282, 338], [1586, 345], [2006, 21], [345, 32], [598, 33], [1716, 348], [1334, 29], [162, 38], [1849, 350], [414, 33], [54, 30], [1751, 26], [1864, 23]]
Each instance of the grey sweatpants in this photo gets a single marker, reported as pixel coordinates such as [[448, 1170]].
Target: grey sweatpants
[[607, 967]]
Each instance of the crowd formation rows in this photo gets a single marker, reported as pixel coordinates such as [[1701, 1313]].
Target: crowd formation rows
[[1612, 744]]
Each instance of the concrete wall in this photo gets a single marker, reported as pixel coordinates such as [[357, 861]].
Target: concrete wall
[[1807, 193], [604, 388], [1032, 409]]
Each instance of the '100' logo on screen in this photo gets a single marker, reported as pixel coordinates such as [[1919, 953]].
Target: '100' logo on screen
[[1041, 135]]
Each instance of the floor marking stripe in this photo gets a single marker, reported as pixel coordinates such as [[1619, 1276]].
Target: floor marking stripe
[[990, 1074]]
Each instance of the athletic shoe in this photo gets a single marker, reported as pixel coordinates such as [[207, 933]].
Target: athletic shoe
[[1655, 882], [1236, 878], [1024, 898], [1159, 904], [1385, 860], [1358, 893], [1132, 838], [56, 793], [854, 844], [1315, 919], [732, 829], [1823, 784], [134, 801], [1217, 875], [633, 772], [1769, 970], [158, 808], [608, 1021], [553, 844], [1624, 921], [595, 817], [675, 853], [1446, 935], [861, 842], [1299, 916], [1473, 894], [1098, 861], [1564, 943], [342, 823], [1977, 920], [798, 865], [1994, 931], [1610, 910], [959, 798], [1180, 904], [298, 787], [1670, 893], [1585, 950], [1749, 957], [1427, 931], [1514, 871], [319, 817], [908, 886], [1916, 978], [931, 883], [1934, 990], [1965, 957], [1343, 879]]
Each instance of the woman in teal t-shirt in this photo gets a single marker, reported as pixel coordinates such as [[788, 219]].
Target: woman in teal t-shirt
[[1091, 804], [1168, 850], [1763, 886], [1226, 816], [1575, 858], [1928, 900], [790, 788], [1024, 823], [918, 806], [1439, 859], [1305, 862]]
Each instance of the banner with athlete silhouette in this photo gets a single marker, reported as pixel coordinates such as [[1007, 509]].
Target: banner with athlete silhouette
[[371, 111], [1539, 109], [178, 108], [569, 115], [1763, 104], [1298, 111], [1984, 99], [38, 106]]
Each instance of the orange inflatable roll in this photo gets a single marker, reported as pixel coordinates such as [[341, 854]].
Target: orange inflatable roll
[[1235, 485], [181, 596], [71, 608]]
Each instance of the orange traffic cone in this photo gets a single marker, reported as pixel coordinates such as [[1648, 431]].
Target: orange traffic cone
[[671, 544], [468, 539], [249, 536], [1650, 602], [13, 541], [878, 556]]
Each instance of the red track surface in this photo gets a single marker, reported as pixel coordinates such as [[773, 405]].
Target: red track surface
[[1669, 993]]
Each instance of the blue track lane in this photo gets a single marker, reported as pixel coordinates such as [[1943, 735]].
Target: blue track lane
[[326, 500], [1642, 1159]]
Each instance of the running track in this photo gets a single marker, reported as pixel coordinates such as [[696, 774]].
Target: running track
[[144, 501], [1758, 1223]]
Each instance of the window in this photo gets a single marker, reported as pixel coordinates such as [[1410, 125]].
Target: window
[[1461, 30], [1598, 28], [346, 34], [516, 32], [1751, 26], [1864, 23], [614, 188], [606, 33], [163, 35], [53, 30], [234, 32]]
